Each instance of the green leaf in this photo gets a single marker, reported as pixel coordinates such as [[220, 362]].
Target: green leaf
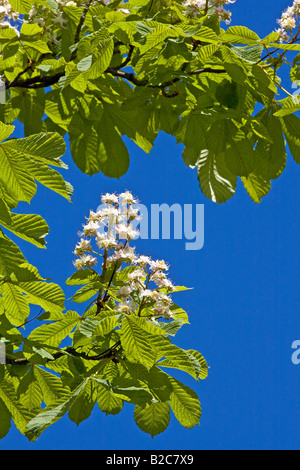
[[291, 128], [10, 256], [5, 421], [17, 182], [50, 385], [85, 63], [49, 296], [30, 29], [128, 123], [152, 418], [239, 155], [256, 186], [19, 413], [29, 227], [83, 276], [82, 407], [29, 391], [48, 177], [53, 334], [38, 45], [216, 181], [200, 363], [107, 401], [290, 106], [158, 35], [270, 157], [101, 59], [240, 35], [5, 131], [44, 147], [5, 217], [227, 94], [135, 342], [54, 412], [98, 148], [176, 358], [21, 6], [185, 404], [15, 304]]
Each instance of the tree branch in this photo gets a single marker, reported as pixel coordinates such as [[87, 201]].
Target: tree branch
[[109, 353], [40, 81], [43, 81], [79, 27]]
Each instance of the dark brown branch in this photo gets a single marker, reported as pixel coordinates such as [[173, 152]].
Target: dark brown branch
[[109, 353], [126, 75], [40, 81], [43, 81], [79, 27]]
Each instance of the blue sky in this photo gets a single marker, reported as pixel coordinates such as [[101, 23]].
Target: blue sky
[[243, 310]]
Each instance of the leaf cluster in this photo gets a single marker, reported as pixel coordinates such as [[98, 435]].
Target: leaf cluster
[[112, 72]]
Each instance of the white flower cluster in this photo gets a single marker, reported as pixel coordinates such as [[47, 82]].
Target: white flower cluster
[[115, 222], [48, 18], [195, 7], [138, 285], [111, 224], [288, 21], [8, 16]]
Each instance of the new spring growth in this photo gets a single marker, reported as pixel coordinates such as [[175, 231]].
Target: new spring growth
[[107, 235]]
